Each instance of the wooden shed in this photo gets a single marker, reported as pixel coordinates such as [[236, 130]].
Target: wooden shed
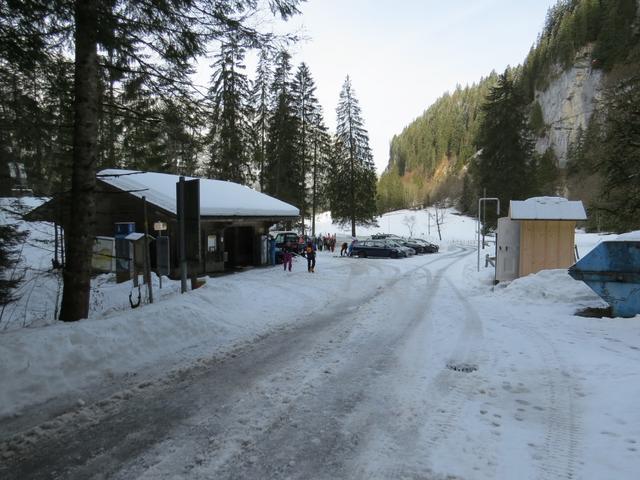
[[539, 234]]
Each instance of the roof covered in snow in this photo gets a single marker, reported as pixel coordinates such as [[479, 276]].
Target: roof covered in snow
[[547, 208], [217, 198]]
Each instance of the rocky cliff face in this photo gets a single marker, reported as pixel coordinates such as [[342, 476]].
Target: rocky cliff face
[[568, 103]]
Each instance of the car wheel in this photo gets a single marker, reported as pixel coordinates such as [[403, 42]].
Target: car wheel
[[394, 255], [362, 254]]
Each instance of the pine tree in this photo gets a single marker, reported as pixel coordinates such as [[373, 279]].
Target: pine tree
[[183, 141], [468, 197], [282, 175], [306, 108], [352, 176], [320, 141], [504, 166], [620, 163], [10, 237], [617, 34], [261, 114], [229, 156], [546, 174], [141, 131]]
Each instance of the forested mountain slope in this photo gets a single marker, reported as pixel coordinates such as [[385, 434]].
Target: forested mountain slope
[[583, 66], [434, 148]]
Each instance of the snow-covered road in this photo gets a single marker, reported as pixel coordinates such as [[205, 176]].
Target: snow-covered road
[[411, 369]]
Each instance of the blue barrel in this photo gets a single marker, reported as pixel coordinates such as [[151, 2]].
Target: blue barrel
[[612, 270]]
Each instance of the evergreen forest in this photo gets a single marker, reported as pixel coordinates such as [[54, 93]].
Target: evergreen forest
[[482, 138]]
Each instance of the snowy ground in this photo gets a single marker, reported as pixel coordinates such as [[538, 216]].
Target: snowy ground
[[412, 368]]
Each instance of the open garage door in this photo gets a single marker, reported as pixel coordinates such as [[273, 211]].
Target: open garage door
[[239, 245]]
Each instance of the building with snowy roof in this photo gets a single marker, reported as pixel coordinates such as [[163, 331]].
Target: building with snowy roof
[[538, 234], [229, 230]]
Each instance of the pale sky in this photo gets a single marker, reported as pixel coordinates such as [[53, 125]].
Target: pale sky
[[402, 55]]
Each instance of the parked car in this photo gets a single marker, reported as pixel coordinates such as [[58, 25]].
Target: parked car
[[290, 239], [428, 246], [385, 236], [392, 242], [377, 248], [416, 246]]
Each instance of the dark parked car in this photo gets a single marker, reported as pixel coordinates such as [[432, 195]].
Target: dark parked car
[[417, 246], [377, 248], [385, 236], [428, 247], [399, 243]]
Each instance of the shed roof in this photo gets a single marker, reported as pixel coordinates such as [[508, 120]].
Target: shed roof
[[547, 208], [134, 236], [217, 198]]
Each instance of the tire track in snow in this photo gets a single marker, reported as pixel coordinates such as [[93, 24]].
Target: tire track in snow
[[325, 432], [118, 430], [440, 402], [558, 456]]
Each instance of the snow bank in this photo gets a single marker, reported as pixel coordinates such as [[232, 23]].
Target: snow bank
[[42, 363], [548, 286], [38, 292]]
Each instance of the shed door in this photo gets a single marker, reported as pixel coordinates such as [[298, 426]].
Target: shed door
[[239, 246], [508, 250]]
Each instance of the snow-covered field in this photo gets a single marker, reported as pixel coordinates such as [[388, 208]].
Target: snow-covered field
[[551, 395]]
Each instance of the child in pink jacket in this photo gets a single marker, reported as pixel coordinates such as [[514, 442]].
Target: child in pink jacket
[[287, 257]]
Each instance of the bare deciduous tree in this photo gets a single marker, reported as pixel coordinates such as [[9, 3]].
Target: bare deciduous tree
[[440, 212], [410, 222]]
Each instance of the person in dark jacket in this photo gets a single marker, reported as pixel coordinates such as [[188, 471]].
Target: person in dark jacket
[[310, 253]]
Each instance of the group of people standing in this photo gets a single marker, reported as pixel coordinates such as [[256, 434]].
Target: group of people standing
[[310, 248], [326, 242]]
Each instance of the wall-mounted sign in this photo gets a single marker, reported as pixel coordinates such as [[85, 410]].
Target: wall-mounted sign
[[159, 226]]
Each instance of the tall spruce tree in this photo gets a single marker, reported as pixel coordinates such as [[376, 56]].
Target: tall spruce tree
[[282, 175], [620, 163], [229, 156], [261, 114], [503, 167], [306, 107], [156, 44], [10, 237], [320, 153], [352, 173]]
